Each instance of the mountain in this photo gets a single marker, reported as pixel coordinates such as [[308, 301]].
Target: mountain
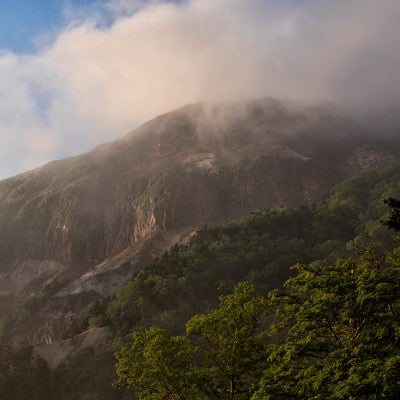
[[75, 230]]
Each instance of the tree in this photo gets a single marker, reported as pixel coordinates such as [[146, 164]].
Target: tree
[[343, 329], [393, 221], [158, 366], [23, 375], [220, 357], [231, 340]]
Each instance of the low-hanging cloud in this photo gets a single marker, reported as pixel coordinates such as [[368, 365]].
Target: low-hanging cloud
[[98, 78]]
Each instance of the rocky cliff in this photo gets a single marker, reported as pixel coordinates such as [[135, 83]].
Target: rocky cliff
[[76, 229]]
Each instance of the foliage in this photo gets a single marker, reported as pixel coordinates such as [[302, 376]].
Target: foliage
[[87, 375], [393, 221], [158, 365], [185, 280], [23, 376], [220, 357], [231, 340], [343, 323], [336, 330], [305, 361], [259, 248]]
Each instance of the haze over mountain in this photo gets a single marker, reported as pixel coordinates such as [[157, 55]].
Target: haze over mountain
[[282, 143], [114, 64], [77, 229]]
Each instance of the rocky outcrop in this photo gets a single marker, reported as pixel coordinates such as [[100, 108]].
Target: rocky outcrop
[[82, 226], [57, 352]]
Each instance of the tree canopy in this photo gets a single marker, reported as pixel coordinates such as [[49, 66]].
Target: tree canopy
[[343, 326], [220, 357], [335, 335], [393, 221], [188, 343]]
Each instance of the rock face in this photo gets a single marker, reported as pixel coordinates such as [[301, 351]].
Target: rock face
[[82, 226], [56, 353]]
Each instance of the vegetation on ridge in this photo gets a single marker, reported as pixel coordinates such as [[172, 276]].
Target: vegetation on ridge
[[180, 301], [260, 248], [336, 332]]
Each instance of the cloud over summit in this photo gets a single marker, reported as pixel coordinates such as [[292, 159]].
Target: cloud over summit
[[114, 66]]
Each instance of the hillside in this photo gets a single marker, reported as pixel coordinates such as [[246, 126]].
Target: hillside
[[188, 279], [259, 248], [75, 230]]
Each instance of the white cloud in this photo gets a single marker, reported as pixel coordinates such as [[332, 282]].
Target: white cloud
[[99, 78]]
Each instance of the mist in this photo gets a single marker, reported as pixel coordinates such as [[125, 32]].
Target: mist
[[99, 78]]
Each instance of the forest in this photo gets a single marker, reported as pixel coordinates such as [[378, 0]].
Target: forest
[[287, 303]]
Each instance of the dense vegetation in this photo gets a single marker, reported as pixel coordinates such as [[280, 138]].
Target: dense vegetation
[[336, 330], [260, 248], [190, 302], [221, 356], [343, 324]]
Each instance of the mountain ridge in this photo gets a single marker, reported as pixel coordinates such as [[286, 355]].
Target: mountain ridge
[[200, 164]]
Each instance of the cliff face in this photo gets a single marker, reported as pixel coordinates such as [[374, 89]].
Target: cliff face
[[84, 225]]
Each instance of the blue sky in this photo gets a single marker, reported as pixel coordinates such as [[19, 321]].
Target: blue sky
[[23, 20], [76, 73]]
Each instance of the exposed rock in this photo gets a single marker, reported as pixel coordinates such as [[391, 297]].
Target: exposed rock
[[367, 157], [76, 229], [30, 271], [57, 352], [201, 161], [112, 273]]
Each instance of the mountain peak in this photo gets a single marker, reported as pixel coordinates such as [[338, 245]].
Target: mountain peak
[[126, 201]]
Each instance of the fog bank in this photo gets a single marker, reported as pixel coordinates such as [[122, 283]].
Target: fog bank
[[119, 63]]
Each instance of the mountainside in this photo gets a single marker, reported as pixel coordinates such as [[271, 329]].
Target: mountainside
[[188, 279], [77, 229]]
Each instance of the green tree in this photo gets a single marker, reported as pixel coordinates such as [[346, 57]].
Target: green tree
[[158, 366], [220, 357], [343, 329], [393, 221], [231, 340]]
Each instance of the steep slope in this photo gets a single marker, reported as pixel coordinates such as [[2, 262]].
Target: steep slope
[[188, 279], [77, 229]]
